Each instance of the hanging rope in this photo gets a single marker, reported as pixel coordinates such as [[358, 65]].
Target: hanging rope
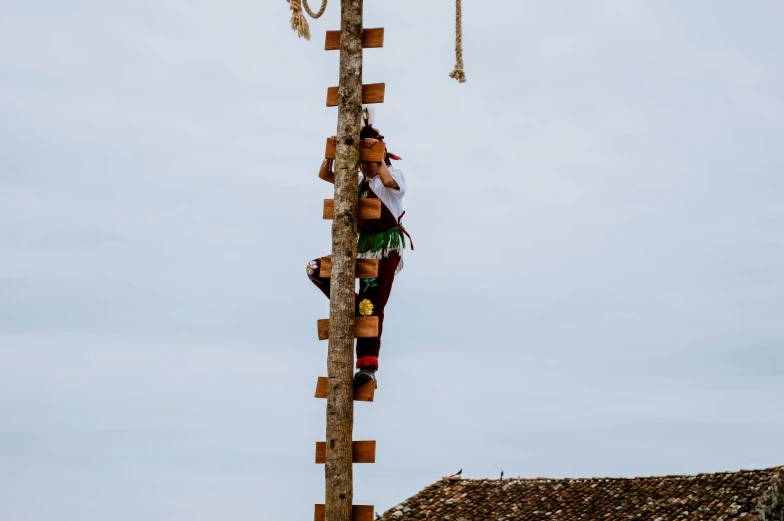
[[458, 73], [321, 11], [298, 21]]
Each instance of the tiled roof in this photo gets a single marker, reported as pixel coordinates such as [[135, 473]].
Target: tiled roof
[[748, 495]]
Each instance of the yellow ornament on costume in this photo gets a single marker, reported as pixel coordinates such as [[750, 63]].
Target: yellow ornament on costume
[[365, 308]]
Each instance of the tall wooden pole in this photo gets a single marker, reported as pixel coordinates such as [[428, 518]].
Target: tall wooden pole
[[340, 363]]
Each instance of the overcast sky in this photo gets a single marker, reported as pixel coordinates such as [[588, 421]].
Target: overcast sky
[[597, 287]]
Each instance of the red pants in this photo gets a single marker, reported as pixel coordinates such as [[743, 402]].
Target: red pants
[[377, 292]]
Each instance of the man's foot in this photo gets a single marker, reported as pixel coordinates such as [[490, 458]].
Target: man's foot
[[365, 374]]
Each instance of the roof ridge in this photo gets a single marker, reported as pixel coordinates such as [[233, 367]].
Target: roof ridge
[[459, 479]]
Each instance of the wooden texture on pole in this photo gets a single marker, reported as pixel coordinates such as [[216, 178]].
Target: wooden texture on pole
[[366, 209], [362, 452], [338, 468], [371, 39], [365, 327], [376, 153], [363, 392], [372, 93], [366, 268], [361, 513]]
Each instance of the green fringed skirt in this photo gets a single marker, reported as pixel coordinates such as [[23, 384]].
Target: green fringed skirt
[[381, 242]]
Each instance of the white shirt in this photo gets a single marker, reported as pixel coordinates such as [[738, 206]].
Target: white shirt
[[391, 197]]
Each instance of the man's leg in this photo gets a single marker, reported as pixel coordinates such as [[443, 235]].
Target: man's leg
[[321, 283], [377, 292]]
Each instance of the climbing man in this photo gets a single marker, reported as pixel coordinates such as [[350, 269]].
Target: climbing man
[[382, 239]]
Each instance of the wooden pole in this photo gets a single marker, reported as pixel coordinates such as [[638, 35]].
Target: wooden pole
[[340, 363]]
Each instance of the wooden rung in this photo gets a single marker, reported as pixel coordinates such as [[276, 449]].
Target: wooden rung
[[376, 153], [371, 93], [367, 209], [358, 513], [371, 39], [363, 392], [366, 268], [364, 452], [364, 327]]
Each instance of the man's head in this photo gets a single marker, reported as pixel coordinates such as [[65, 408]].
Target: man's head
[[369, 131], [369, 168]]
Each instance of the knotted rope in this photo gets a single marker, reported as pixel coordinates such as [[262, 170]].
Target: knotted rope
[[298, 21], [458, 73]]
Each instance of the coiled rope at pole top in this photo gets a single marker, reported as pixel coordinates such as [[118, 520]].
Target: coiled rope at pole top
[[298, 21], [300, 24]]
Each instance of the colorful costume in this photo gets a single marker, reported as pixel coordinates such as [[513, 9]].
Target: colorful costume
[[382, 239]]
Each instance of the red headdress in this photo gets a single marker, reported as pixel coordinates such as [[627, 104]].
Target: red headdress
[[369, 131]]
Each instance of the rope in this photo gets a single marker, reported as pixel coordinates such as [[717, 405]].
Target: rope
[[298, 21], [321, 11], [458, 73]]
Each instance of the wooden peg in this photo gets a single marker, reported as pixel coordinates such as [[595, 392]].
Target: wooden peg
[[358, 513], [371, 93], [364, 452], [375, 154], [366, 209], [363, 392], [364, 327], [371, 39], [366, 268]]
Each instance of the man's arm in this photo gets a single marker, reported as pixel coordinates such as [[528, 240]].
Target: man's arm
[[386, 177], [383, 172], [325, 172]]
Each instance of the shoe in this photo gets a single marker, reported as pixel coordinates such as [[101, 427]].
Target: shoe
[[365, 375]]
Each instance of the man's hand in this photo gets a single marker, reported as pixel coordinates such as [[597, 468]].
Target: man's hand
[[369, 142]]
